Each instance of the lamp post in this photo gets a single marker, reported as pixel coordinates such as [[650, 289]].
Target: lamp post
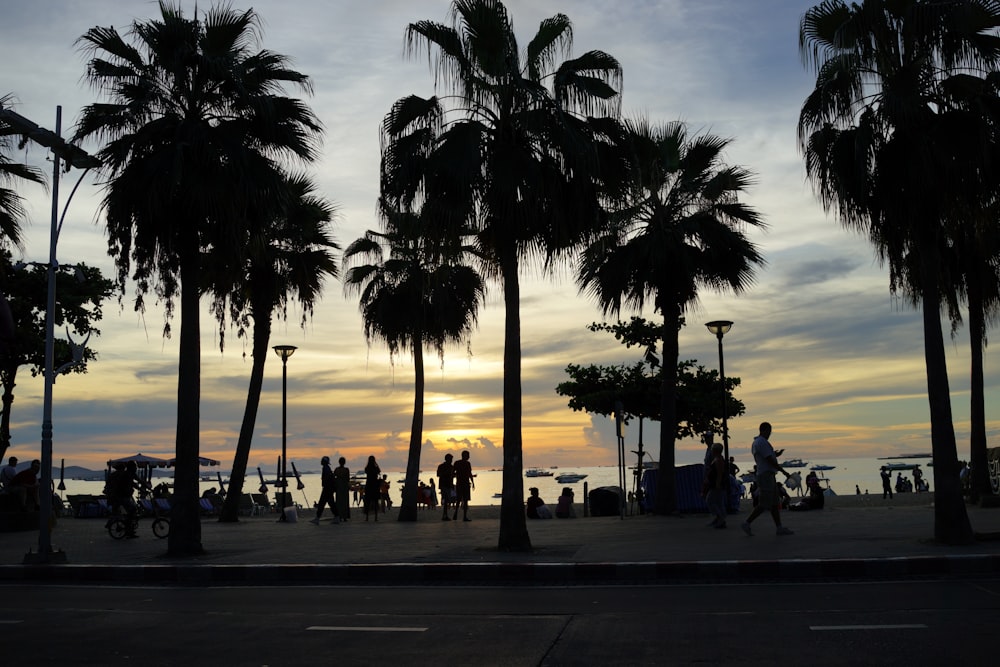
[[284, 351], [74, 156], [720, 328]]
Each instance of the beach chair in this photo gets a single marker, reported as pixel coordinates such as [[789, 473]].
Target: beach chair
[[207, 507], [262, 503], [248, 507]]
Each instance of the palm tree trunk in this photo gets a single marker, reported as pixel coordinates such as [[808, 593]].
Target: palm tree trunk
[[951, 521], [185, 522], [408, 506], [977, 409], [513, 524], [261, 338], [665, 501]]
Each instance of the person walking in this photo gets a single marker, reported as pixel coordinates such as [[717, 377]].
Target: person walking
[[766, 460], [326, 495], [886, 483], [446, 483], [373, 486], [717, 483], [464, 483], [342, 482]]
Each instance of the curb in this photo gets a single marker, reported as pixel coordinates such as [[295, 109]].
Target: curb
[[506, 574]]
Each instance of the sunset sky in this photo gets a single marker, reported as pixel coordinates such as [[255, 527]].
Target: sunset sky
[[823, 350]]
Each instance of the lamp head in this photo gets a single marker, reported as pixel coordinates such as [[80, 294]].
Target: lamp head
[[284, 351], [719, 327]]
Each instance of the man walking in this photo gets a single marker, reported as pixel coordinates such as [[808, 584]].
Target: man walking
[[767, 468], [464, 483], [446, 482], [326, 495], [886, 483]]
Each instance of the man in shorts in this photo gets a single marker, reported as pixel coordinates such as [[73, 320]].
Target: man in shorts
[[767, 469], [446, 484], [464, 483]]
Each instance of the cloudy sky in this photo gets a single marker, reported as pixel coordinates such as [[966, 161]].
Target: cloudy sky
[[824, 352]]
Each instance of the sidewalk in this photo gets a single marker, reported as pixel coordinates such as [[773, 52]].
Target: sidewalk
[[882, 540]]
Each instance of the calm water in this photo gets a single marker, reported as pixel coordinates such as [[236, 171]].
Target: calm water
[[846, 474]]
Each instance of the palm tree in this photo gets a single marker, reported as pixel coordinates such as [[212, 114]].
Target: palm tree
[[878, 148], [289, 257], [420, 295], [512, 151], [12, 212], [681, 232], [192, 126]]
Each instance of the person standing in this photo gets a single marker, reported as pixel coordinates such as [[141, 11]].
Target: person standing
[[717, 483], [373, 487], [464, 483], [446, 482], [886, 483], [326, 495], [767, 464], [7, 473], [342, 482]]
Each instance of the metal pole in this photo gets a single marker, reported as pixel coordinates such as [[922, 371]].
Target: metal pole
[[45, 484], [284, 444], [725, 426]]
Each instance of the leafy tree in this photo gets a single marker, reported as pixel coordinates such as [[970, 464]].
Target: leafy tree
[[597, 389], [81, 289], [881, 149], [288, 257], [414, 292], [193, 125], [680, 232]]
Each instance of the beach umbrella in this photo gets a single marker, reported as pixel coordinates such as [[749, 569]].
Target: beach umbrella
[[143, 462], [62, 471], [263, 486], [222, 488], [301, 485]]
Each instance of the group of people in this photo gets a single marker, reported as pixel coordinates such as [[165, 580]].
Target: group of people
[[535, 507], [23, 485], [456, 483], [336, 491]]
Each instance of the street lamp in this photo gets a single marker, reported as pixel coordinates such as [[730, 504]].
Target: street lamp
[[74, 156], [720, 328], [284, 351]]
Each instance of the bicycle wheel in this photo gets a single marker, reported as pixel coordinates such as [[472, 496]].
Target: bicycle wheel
[[116, 527], [161, 527]]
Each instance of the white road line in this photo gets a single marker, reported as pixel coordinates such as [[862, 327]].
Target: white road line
[[361, 628], [902, 626]]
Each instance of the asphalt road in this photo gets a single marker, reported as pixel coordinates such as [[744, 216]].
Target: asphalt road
[[920, 622]]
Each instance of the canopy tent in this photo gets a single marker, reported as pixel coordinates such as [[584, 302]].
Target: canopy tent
[[141, 461], [202, 461]]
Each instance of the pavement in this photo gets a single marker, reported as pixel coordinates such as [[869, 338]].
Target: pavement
[[850, 539]]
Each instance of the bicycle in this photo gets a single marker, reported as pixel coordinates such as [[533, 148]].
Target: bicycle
[[118, 527]]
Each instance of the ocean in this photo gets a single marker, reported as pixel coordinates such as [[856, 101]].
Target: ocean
[[846, 474]]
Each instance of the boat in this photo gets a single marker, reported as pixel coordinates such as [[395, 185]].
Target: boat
[[538, 472], [794, 463], [900, 466], [569, 477], [819, 467]]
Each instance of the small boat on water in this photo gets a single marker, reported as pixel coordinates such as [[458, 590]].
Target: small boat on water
[[538, 472], [794, 463], [569, 478], [900, 466], [821, 467]]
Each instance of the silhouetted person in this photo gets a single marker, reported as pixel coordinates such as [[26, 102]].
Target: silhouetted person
[[327, 494], [767, 464], [446, 482], [464, 483], [886, 484]]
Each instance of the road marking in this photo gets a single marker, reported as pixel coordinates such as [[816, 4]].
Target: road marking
[[359, 628], [902, 626]]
